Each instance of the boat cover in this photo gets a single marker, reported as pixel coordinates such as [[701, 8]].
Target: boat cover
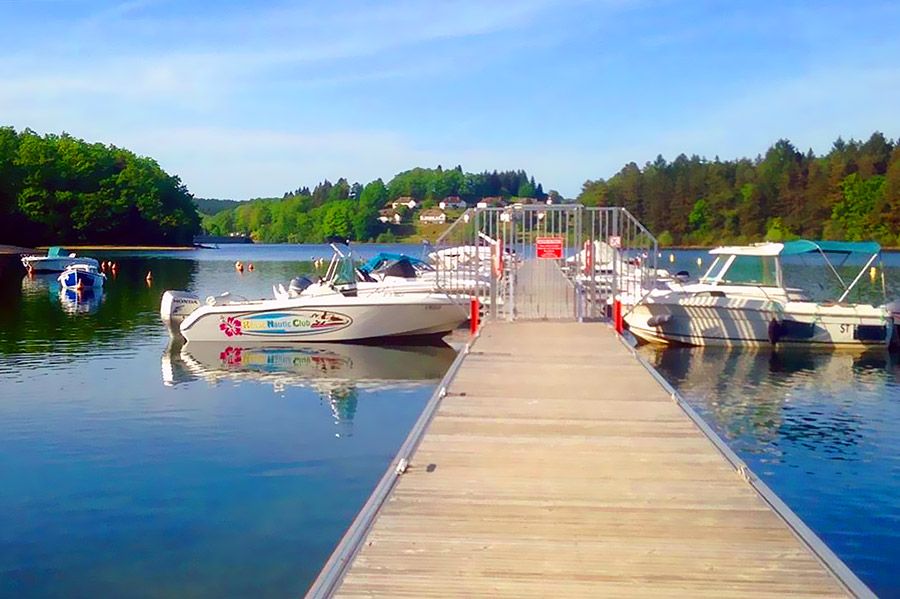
[[56, 252], [383, 258], [804, 246]]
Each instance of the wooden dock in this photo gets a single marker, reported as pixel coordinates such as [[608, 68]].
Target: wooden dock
[[556, 465]]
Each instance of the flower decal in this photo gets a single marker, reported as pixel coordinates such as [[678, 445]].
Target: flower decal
[[231, 326], [231, 356]]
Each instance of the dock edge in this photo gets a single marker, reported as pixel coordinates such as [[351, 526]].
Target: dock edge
[[334, 570]]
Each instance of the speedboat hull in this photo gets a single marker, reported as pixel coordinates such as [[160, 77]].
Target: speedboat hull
[[79, 277], [735, 321], [48, 264], [327, 318]]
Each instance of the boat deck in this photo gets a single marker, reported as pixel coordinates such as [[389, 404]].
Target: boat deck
[[556, 465]]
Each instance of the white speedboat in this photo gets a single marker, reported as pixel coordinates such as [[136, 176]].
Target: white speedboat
[[329, 310], [82, 276], [385, 273], [56, 260], [743, 300]]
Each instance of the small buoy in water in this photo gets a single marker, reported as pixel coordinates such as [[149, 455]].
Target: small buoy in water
[[699, 261], [250, 266], [873, 273], [671, 257], [239, 266], [659, 255]]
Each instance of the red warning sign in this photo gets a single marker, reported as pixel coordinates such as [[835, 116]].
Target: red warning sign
[[549, 248]]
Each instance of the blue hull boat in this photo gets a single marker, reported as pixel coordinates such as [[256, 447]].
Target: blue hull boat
[[82, 276]]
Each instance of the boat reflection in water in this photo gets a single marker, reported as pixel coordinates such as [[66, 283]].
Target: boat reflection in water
[[337, 371], [85, 301], [766, 401], [40, 284]]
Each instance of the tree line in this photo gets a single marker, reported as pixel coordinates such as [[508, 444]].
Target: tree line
[[850, 193], [350, 210], [56, 189]]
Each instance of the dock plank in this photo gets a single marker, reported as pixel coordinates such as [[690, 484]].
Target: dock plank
[[557, 466]]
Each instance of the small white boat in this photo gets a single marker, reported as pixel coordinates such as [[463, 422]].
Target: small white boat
[[82, 276], [56, 260], [329, 310], [743, 300]]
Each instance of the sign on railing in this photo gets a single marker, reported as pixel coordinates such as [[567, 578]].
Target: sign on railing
[[549, 247]]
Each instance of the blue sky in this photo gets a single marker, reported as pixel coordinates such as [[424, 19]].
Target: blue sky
[[247, 99]]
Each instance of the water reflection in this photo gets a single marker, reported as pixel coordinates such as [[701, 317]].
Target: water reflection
[[762, 398], [337, 372], [85, 301]]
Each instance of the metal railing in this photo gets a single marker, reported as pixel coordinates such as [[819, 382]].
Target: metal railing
[[557, 262]]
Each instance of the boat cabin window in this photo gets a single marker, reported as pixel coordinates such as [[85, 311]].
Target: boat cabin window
[[752, 270]]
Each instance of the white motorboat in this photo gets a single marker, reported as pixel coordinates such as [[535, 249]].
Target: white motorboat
[[82, 276], [56, 260], [329, 310], [743, 300], [385, 273]]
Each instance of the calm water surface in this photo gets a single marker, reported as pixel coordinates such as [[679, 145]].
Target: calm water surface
[[131, 466]]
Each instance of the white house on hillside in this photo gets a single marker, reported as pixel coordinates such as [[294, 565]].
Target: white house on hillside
[[388, 216], [452, 202], [433, 216], [404, 201]]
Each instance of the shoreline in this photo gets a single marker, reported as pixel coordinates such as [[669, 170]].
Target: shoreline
[[124, 247]]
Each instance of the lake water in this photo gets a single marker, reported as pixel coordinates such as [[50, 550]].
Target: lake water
[[132, 466]]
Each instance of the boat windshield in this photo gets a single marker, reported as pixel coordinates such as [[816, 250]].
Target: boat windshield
[[714, 269], [759, 271], [345, 274]]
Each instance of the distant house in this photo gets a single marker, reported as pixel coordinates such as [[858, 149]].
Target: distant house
[[452, 202], [388, 216], [491, 202], [433, 216], [404, 201]]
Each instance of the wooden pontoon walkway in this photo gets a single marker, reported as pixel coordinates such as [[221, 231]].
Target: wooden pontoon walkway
[[556, 465]]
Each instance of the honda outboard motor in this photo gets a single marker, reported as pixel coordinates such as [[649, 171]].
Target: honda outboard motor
[[175, 307]]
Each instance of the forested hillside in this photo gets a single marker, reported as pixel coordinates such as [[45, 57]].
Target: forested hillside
[[212, 206], [55, 189], [852, 193], [351, 210]]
